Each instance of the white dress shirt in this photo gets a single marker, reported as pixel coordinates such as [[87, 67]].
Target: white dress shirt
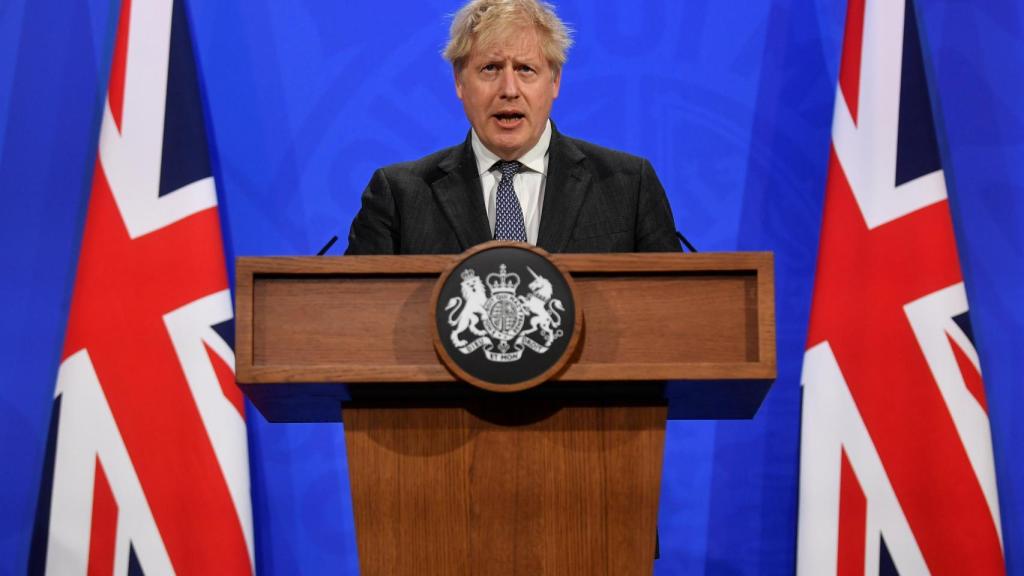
[[528, 183]]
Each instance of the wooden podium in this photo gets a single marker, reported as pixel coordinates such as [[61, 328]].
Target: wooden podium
[[561, 479]]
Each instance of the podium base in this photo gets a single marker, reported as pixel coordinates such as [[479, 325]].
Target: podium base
[[503, 485]]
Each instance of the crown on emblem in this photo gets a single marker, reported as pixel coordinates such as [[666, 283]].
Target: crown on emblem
[[503, 281], [468, 274]]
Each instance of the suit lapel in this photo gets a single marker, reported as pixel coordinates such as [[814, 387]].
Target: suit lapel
[[564, 192], [460, 196]]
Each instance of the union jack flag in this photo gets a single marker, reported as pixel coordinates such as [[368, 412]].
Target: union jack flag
[[897, 473], [147, 463]]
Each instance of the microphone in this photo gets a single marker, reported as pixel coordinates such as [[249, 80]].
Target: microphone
[[335, 239], [685, 241]]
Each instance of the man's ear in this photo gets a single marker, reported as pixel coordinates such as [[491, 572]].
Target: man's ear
[[458, 81], [558, 83]]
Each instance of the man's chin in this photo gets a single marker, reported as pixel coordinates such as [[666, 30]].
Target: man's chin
[[509, 146]]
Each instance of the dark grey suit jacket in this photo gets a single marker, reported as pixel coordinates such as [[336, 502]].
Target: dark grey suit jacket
[[595, 200]]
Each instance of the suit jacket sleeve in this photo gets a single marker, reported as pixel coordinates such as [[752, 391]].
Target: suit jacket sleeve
[[375, 229], [655, 226]]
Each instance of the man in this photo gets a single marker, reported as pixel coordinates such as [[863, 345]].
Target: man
[[515, 177]]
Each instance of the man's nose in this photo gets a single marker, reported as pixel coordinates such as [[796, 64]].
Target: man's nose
[[509, 83]]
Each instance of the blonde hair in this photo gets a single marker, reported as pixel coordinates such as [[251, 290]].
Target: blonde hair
[[484, 21]]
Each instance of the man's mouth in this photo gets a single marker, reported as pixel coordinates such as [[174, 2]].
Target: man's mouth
[[509, 119]]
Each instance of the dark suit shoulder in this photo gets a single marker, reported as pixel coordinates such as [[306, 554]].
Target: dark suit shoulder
[[604, 159], [426, 168]]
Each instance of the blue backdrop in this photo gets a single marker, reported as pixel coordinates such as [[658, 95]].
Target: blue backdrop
[[731, 101]]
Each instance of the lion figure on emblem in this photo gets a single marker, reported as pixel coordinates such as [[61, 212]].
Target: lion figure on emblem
[[475, 296], [543, 310]]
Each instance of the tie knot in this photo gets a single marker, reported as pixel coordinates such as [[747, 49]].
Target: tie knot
[[508, 167]]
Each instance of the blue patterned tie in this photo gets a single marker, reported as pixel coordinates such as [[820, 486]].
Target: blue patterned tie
[[508, 214]]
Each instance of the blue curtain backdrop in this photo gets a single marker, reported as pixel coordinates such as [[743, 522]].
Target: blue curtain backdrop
[[731, 101]]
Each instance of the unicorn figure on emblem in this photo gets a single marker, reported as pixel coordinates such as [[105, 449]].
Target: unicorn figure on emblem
[[543, 309]]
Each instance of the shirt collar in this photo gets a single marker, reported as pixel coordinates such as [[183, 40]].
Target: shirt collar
[[533, 159]]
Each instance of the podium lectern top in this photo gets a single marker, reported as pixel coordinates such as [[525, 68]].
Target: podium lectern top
[[313, 332]]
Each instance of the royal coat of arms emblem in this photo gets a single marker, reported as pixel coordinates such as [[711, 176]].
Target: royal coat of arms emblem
[[492, 316], [505, 317]]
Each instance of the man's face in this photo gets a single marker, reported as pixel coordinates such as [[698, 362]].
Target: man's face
[[507, 89]]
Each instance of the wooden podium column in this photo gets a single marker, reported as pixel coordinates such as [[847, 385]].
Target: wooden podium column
[[505, 486]]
